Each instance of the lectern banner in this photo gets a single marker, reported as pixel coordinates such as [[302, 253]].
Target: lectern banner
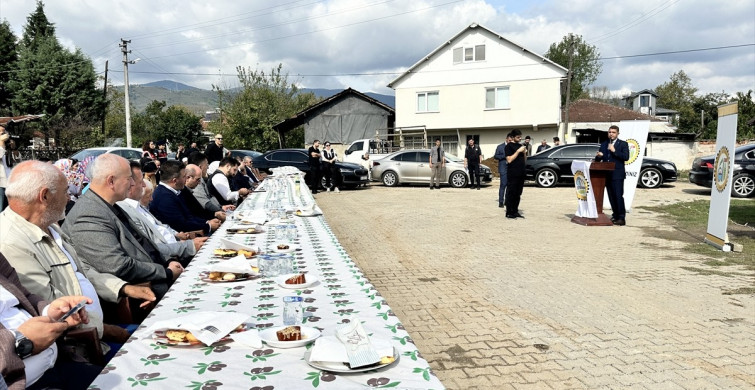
[[586, 206], [723, 174], [636, 135]]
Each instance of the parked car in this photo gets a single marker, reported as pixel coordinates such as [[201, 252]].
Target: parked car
[[353, 175], [553, 165], [240, 154], [132, 154], [743, 184], [412, 166]]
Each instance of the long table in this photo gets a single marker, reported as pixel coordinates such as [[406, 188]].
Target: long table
[[341, 293]]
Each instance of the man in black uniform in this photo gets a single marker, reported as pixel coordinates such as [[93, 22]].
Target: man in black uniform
[[515, 156], [472, 160], [315, 173]]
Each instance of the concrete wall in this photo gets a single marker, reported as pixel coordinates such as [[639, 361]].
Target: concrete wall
[[681, 153]]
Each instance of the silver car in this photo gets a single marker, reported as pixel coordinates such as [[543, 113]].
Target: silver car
[[412, 166]]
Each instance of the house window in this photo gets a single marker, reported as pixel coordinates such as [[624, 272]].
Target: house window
[[427, 102], [644, 100], [496, 98], [469, 54]]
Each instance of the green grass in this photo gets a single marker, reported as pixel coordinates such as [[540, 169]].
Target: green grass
[[690, 222]]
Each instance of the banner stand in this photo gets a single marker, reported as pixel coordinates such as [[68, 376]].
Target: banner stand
[[723, 173]]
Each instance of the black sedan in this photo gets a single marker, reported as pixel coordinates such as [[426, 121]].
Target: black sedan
[[554, 165], [743, 184], [353, 175]]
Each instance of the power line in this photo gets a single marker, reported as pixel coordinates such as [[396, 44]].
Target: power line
[[491, 67], [635, 22]]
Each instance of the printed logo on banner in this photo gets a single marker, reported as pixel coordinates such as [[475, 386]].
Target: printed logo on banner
[[634, 151], [721, 169], [582, 185]]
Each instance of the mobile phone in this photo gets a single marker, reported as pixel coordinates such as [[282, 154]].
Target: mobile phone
[[73, 310]]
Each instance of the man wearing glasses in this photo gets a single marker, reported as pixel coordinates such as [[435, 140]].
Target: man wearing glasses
[[214, 151]]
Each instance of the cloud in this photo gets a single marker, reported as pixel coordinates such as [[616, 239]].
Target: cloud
[[364, 43]]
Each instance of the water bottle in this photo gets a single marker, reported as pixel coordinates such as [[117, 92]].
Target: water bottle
[[293, 313]]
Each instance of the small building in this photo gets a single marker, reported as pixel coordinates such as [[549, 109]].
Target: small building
[[341, 119], [645, 102]]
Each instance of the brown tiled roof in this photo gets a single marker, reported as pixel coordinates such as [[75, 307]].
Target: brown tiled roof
[[584, 110]]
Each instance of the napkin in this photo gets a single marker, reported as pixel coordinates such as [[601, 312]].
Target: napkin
[[229, 244], [330, 349], [250, 338], [258, 216], [237, 264], [196, 323]]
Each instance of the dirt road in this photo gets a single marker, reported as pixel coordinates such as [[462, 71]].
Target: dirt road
[[541, 302]]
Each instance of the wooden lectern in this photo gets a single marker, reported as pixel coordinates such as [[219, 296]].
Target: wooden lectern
[[598, 173]]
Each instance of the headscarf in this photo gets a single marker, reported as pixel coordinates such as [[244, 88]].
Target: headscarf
[[75, 179]]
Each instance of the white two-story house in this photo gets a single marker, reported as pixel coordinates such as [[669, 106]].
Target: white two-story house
[[480, 85]]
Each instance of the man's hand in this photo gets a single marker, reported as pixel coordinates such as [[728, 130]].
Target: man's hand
[[176, 268], [599, 154], [198, 242], [62, 305], [220, 215], [214, 224], [522, 149], [244, 192], [140, 291], [42, 331], [611, 148], [228, 207]]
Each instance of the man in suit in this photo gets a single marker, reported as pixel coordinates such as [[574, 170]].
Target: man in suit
[[500, 155], [28, 330], [543, 146], [104, 236], [472, 161], [193, 178], [616, 151], [197, 184], [168, 206], [168, 245], [38, 249]]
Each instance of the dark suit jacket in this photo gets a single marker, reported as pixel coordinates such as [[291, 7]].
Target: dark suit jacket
[[618, 157], [11, 365], [194, 206], [169, 208], [103, 242], [213, 152]]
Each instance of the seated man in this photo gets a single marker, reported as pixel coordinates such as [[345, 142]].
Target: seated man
[[166, 231], [183, 250], [220, 183], [103, 235], [37, 248], [28, 330], [170, 208], [200, 190], [193, 177]]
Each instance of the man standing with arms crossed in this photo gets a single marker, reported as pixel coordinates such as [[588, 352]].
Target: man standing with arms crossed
[[616, 151], [437, 163], [472, 161], [515, 159]]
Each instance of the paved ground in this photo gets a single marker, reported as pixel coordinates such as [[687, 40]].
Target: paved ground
[[542, 303]]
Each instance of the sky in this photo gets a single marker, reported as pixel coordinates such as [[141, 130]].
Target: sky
[[365, 44]]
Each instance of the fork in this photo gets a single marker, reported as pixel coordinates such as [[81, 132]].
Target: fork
[[211, 329]]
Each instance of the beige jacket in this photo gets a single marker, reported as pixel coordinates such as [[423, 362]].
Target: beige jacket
[[44, 269]]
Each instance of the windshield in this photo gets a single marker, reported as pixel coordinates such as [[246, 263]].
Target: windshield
[[87, 153], [453, 158]]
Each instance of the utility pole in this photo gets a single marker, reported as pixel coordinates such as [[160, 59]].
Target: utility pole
[[568, 85], [127, 103], [104, 93]]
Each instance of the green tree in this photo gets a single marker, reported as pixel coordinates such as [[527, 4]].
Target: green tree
[[173, 124], [8, 65], [586, 65], [54, 81], [263, 101], [745, 123], [679, 94], [115, 116]]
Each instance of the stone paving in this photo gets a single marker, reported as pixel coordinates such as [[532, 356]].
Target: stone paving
[[542, 303]]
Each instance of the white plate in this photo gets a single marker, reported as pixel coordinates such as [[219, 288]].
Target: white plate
[[281, 280], [344, 368], [290, 249], [306, 213], [308, 334]]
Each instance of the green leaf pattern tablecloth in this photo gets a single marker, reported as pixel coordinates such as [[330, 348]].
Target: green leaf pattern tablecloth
[[341, 292]]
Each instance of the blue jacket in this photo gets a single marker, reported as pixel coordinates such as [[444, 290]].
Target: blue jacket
[[170, 209], [619, 157]]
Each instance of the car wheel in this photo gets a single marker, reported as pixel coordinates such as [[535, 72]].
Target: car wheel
[[546, 178], [650, 178], [743, 186], [457, 179], [390, 179]]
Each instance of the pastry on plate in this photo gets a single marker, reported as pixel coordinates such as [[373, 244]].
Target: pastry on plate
[[296, 279], [180, 336], [225, 252], [289, 333]]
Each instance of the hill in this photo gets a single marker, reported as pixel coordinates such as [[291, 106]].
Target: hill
[[200, 100]]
